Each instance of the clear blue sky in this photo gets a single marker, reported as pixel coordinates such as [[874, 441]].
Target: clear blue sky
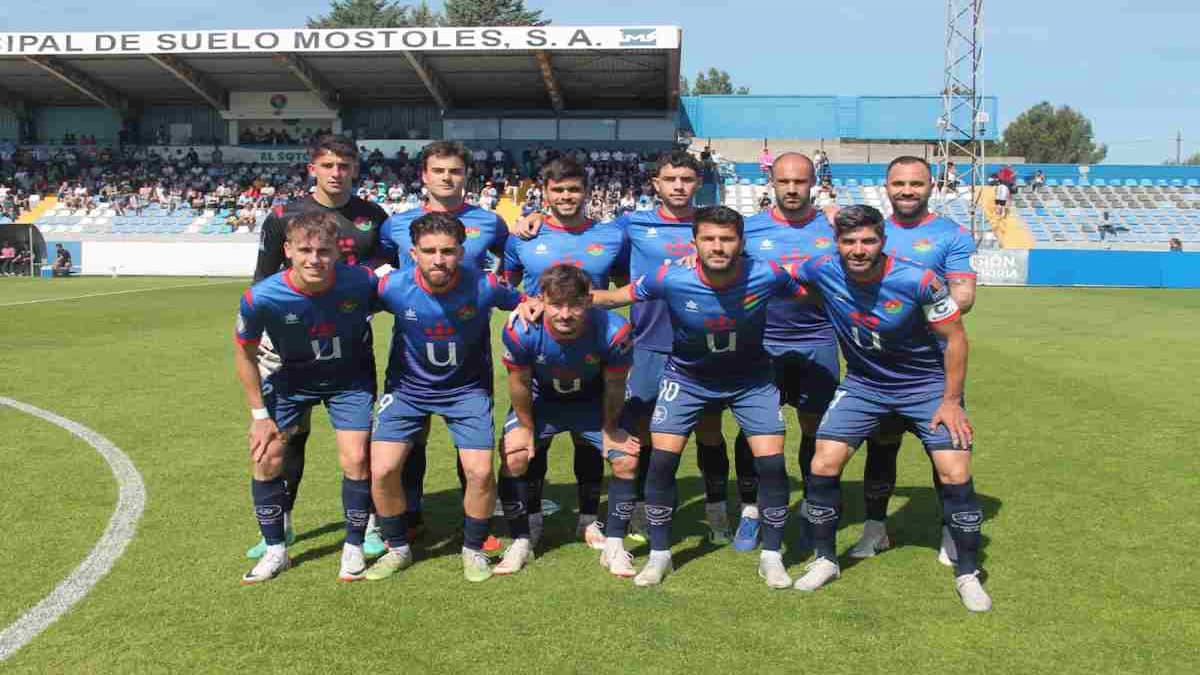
[[1133, 66]]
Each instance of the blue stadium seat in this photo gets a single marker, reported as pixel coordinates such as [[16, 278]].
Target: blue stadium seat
[[1052, 182], [1099, 182], [1145, 182], [1192, 182]]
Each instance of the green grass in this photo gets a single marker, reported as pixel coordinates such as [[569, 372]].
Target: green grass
[[1084, 401]]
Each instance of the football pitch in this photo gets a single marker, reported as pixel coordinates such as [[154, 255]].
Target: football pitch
[[1084, 402]]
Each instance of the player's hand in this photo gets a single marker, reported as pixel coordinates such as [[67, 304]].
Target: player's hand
[[831, 212], [262, 434], [954, 418], [527, 227], [529, 312], [619, 439], [688, 261], [519, 440]]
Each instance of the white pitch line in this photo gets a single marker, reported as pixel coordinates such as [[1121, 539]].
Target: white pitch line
[[135, 290], [131, 501]]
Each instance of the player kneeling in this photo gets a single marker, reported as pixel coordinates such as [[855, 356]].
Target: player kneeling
[[889, 315], [567, 374], [315, 313]]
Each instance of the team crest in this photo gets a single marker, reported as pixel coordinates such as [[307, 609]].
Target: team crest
[[467, 312], [363, 224], [595, 249], [893, 306], [348, 305], [473, 233], [591, 359], [822, 242], [922, 245]]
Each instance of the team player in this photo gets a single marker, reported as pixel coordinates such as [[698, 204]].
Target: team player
[[438, 365], [890, 315], [444, 173], [945, 247], [657, 237], [316, 314], [717, 313], [333, 166], [567, 374], [798, 336], [567, 236]]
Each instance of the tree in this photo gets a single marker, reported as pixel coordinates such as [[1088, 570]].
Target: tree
[[374, 14], [492, 13], [1044, 134], [714, 82]]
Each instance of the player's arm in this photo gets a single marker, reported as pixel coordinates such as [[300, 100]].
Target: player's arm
[[270, 248], [787, 285], [959, 274], [245, 359], [616, 371], [379, 258], [514, 269], [962, 289], [528, 226], [612, 298], [944, 318], [520, 393]]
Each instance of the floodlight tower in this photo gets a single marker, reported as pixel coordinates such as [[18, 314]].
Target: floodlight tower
[[964, 120]]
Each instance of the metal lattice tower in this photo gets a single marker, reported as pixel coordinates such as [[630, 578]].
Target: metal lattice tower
[[964, 119]]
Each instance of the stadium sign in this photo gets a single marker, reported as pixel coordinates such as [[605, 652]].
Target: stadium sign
[[515, 38], [1004, 267]]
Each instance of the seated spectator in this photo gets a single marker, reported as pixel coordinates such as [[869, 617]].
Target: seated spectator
[[826, 195], [8, 258], [950, 179], [1039, 181], [765, 202], [1175, 245], [62, 261]]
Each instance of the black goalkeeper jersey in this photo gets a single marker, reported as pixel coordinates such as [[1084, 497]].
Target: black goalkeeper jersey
[[358, 233]]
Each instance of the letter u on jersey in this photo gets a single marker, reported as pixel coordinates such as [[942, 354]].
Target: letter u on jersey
[[451, 354], [730, 344], [576, 385]]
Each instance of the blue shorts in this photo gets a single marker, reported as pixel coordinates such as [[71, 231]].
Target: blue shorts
[[681, 401], [851, 417], [401, 419], [349, 408], [641, 387], [806, 376], [551, 418]]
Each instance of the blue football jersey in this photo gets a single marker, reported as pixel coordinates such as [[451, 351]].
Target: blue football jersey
[[594, 248], [486, 231], [322, 340], [718, 331], [655, 239], [570, 370], [883, 326], [440, 344], [787, 243], [937, 242]]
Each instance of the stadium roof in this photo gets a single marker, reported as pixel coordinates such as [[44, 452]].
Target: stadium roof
[[553, 67]]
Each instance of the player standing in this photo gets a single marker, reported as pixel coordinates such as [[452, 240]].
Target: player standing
[[333, 165], [568, 236], [316, 314], [717, 312], [890, 315], [943, 246], [438, 365], [444, 174], [567, 374]]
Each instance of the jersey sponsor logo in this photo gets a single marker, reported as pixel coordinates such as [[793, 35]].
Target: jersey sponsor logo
[[691, 306], [323, 330], [348, 305], [576, 384], [721, 324], [868, 320], [541, 249], [893, 306], [473, 233], [922, 245], [451, 359], [767, 245], [595, 249], [440, 331], [291, 319], [568, 261], [822, 242], [410, 314], [363, 224], [467, 312], [678, 249]]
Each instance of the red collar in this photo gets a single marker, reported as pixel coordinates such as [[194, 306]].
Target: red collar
[[461, 207], [554, 224], [287, 278], [741, 268], [663, 215], [425, 287], [778, 217], [928, 217]]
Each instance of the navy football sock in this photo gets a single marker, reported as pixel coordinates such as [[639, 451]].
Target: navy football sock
[[414, 481], [293, 466], [772, 499], [879, 477], [747, 475], [535, 478], [475, 530], [356, 503], [823, 512], [269, 496], [643, 469], [394, 529], [660, 497], [589, 477], [713, 461], [808, 449], [964, 517], [514, 496], [620, 507]]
